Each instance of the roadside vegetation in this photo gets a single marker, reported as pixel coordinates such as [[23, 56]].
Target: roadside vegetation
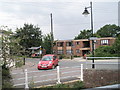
[[77, 85], [6, 78]]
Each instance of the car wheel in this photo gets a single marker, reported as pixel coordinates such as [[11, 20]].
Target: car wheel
[[53, 66]]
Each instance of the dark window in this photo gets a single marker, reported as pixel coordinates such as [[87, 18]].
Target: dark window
[[60, 44], [86, 44], [69, 44], [47, 58], [77, 43]]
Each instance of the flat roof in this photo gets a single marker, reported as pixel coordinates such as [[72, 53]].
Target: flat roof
[[85, 39], [34, 48]]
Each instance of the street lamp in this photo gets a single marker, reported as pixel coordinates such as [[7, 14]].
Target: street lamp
[[86, 13]]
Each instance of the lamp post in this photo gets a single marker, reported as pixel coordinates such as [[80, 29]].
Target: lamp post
[[71, 50], [52, 37], [86, 13]]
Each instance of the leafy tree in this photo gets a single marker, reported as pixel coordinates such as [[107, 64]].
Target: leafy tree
[[116, 46], [15, 48], [109, 31], [5, 57], [85, 34], [29, 35], [5, 47], [47, 43]]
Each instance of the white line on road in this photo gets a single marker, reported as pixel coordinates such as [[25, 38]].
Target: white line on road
[[35, 76], [45, 70]]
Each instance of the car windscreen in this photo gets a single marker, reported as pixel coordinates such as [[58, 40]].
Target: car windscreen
[[47, 58]]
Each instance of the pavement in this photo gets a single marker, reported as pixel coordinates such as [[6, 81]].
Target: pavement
[[108, 87]]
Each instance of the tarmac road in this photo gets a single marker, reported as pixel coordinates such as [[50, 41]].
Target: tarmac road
[[70, 70]]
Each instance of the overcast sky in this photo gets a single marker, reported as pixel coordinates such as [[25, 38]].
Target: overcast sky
[[67, 15]]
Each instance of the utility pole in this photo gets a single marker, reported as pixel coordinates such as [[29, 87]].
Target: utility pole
[[52, 37]]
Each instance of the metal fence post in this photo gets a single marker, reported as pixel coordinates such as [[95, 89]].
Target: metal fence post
[[58, 75], [86, 63], [26, 79], [81, 76], [24, 61]]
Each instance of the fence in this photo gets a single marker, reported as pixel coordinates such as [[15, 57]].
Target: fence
[[55, 75], [102, 61]]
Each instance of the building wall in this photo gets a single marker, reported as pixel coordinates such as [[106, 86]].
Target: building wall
[[81, 46]]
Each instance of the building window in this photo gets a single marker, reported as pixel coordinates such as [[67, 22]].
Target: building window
[[77, 51], [86, 44], [60, 51], [77, 43], [69, 44], [104, 42], [69, 51], [60, 44]]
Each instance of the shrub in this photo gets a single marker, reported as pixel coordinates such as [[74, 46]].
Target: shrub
[[77, 85], [6, 83], [19, 61], [105, 51]]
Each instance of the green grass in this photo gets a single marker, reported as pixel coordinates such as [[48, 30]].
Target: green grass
[[77, 85]]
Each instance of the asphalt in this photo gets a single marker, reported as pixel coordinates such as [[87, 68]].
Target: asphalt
[[31, 65]]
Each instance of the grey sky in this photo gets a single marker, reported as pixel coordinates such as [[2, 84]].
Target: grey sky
[[67, 15]]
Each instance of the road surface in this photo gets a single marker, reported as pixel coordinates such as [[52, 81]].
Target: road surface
[[69, 70]]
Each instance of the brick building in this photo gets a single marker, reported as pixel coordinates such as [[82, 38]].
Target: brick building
[[81, 46]]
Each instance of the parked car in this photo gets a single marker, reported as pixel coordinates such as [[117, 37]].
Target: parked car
[[49, 61]]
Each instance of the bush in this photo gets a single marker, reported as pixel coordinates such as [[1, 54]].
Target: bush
[[76, 56], [78, 85], [60, 86], [105, 51], [6, 77], [19, 61], [66, 57], [7, 85]]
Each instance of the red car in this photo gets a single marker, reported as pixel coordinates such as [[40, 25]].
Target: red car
[[49, 61]]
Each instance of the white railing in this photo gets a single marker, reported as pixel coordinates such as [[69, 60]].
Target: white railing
[[59, 74], [105, 63], [103, 57]]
